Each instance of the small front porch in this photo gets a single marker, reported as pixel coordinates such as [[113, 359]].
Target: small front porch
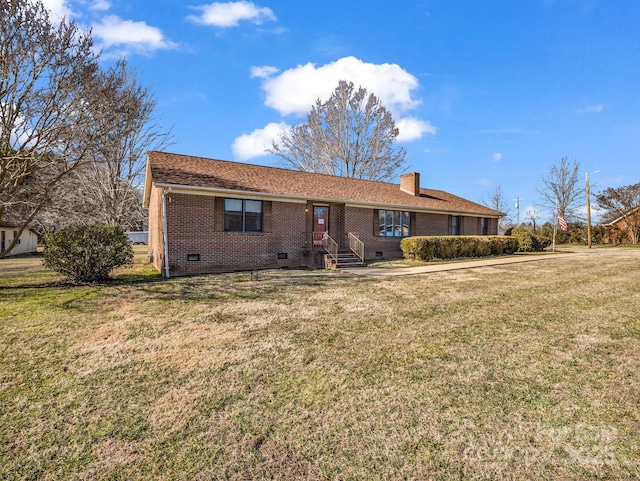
[[337, 257], [340, 248]]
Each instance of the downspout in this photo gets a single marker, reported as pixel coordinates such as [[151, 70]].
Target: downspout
[[164, 231]]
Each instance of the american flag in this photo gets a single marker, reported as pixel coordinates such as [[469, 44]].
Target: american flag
[[562, 222]]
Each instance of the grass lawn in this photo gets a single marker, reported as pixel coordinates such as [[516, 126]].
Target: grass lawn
[[522, 371]]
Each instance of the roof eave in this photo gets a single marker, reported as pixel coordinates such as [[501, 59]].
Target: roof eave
[[304, 199], [147, 184], [624, 216]]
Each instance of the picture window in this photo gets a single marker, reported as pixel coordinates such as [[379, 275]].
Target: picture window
[[394, 223]]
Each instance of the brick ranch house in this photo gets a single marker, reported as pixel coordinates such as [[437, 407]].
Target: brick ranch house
[[211, 215], [624, 229]]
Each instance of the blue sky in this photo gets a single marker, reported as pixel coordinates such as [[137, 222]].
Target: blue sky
[[485, 93]]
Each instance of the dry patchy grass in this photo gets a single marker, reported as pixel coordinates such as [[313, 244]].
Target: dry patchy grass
[[526, 371]]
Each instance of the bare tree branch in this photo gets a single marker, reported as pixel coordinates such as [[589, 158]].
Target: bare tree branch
[[47, 118], [60, 114], [496, 200], [350, 135], [108, 188], [561, 189]]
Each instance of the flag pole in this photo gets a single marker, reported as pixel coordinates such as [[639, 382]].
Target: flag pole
[[555, 226]]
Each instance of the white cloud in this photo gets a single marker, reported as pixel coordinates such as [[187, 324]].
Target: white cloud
[[482, 181], [101, 5], [591, 109], [58, 8], [252, 145], [412, 129], [229, 14], [137, 36], [263, 72], [295, 90], [497, 157]]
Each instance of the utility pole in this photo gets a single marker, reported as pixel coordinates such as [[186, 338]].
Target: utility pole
[[589, 210], [518, 199]]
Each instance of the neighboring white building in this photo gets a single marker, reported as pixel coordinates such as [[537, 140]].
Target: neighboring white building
[[28, 241]]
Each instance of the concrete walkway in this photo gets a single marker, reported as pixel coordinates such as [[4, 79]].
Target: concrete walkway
[[451, 266]]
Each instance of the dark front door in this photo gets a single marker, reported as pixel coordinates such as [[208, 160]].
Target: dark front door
[[320, 223]]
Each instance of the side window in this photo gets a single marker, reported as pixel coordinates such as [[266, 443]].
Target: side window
[[455, 225], [233, 215], [253, 216], [242, 215], [484, 226]]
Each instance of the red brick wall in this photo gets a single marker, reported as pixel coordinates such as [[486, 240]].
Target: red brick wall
[[192, 231], [469, 226], [472, 226], [431, 224], [361, 220], [493, 226]]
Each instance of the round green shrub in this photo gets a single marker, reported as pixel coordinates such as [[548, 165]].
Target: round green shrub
[[525, 239], [528, 241], [87, 253]]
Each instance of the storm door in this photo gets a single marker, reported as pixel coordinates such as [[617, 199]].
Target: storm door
[[320, 223]]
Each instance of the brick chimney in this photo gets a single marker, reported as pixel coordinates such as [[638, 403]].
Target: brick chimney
[[410, 183]]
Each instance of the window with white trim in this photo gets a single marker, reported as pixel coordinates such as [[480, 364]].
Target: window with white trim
[[242, 215], [394, 223]]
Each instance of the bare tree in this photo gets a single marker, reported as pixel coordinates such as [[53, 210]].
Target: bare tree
[[561, 189], [73, 136], [496, 200], [48, 114], [91, 194], [623, 203], [350, 135], [108, 189]]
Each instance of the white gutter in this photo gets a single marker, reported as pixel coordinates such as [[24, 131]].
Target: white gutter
[[303, 199], [164, 229]]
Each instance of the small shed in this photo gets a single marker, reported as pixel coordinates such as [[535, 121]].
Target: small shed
[[28, 241]]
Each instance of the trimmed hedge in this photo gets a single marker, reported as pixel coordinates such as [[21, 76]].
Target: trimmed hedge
[[452, 247]]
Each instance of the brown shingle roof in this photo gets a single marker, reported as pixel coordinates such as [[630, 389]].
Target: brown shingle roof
[[196, 172]]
